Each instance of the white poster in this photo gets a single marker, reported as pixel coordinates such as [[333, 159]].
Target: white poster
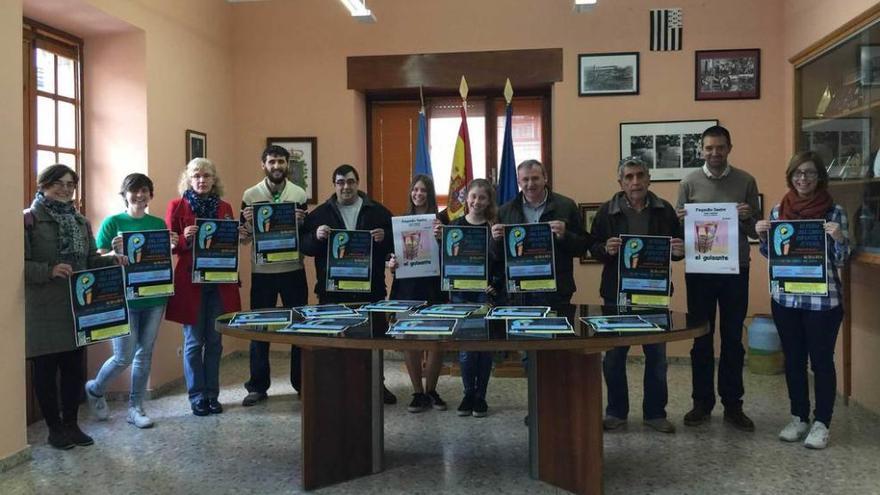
[[711, 238], [415, 247]]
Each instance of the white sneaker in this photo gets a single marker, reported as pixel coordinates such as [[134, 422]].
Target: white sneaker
[[137, 417], [818, 437], [97, 404], [794, 431]]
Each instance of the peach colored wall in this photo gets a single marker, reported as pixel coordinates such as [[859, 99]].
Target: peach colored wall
[[807, 21], [12, 427], [290, 79]]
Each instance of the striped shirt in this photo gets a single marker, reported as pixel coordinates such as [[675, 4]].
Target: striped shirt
[[838, 252]]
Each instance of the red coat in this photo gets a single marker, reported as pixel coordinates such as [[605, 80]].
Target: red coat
[[184, 305]]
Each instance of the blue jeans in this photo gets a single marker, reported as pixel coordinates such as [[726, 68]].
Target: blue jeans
[[135, 349], [656, 393], [476, 367], [809, 334], [202, 348]]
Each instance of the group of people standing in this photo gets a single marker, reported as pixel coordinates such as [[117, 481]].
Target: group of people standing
[[59, 241]]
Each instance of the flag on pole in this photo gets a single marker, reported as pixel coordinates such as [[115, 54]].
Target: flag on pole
[[462, 169], [423, 158], [507, 186], [666, 30]]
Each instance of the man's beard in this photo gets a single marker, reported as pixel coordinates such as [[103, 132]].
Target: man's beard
[[276, 180]]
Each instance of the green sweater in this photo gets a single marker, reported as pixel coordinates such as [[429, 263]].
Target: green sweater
[[115, 225], [736, 187]]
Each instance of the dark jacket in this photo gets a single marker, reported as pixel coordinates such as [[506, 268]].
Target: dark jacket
[[373, 215], [48, 318], [184, 305], [610, 221], [572, 245]]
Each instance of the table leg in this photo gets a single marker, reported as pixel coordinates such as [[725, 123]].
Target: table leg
[[566, 419], [341, 429]]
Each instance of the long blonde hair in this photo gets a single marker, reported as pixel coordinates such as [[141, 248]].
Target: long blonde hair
[[200, 165], [492, 209]]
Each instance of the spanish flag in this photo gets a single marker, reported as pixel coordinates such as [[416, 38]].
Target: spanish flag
[[462, 170]]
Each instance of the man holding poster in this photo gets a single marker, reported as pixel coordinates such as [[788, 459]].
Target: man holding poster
[[286, 279], [633, 211], [719, 182]]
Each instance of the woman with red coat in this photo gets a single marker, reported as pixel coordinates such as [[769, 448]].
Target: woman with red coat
[[196, 306]]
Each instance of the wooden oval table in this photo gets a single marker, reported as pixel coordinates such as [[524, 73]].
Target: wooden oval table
[[342, 408]]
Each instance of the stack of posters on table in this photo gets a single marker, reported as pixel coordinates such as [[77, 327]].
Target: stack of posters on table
[[326, 311], [621, 323], [324, 325], [260, 318], [392, 306], [432, 327], [527, 327], [512, 312], [449, 310]]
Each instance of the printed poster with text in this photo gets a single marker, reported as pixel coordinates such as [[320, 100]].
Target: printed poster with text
[[465, 257], [349, 261], [97, 299], [215, 252], [415, 246], [528, 256], [711, 238], [149, 271], [797, 252], [643, 271], [276, 238]]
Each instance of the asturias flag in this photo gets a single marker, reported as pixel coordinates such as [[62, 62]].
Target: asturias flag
[[507, 186], [423, 158], [462, 170]]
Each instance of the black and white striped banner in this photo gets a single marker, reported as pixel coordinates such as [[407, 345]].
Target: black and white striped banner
[[666, 30]]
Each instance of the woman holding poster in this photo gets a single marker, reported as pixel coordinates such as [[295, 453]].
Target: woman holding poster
[[57, 242], [808, 323], [422, 201], [145, 315], [196, 306]]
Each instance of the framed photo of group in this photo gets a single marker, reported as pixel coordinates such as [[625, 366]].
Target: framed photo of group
[[588, 212], [671, 149], [727, 74], [608, 74], [303, 162]]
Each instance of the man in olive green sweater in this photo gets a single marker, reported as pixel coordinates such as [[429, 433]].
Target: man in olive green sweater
[[718, 182]]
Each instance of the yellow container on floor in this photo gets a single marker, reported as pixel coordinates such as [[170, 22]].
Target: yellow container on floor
[[765, 349]]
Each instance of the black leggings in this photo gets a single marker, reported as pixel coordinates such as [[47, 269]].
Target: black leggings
[[46, 370]]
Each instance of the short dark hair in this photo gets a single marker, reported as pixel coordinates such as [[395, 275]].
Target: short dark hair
[[134, 182], [716, 131], [54, 173], [801, 158], [274, 150], [343, 170]]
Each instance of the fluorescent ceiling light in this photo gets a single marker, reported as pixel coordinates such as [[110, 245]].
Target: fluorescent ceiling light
[[359, 10], [584, 5]]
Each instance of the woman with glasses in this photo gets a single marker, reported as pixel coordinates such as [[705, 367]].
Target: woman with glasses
[[196, 306], [145, 315], [58, 241], [808, 324]]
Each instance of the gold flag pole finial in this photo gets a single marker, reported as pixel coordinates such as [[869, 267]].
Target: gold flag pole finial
[[463, 89], [508, 91]]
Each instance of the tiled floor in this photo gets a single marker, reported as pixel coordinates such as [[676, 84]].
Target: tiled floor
[[256, 450]]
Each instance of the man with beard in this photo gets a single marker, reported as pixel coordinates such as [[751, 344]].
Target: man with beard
[[287, 278]]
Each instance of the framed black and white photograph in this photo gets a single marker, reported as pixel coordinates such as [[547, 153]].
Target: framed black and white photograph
[[869, 65], [671, 149], [303, 162], [588, 211], [196, 145], [843, 144], [727, 74], [608, 74]]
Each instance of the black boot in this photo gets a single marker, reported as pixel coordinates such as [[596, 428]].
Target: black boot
[[76, 435], [58, 438]]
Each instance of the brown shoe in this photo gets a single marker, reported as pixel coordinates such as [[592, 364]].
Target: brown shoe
[[661, 424], [738, 419], [697, 416]]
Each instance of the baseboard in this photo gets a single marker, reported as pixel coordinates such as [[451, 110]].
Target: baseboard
[[20, 457]]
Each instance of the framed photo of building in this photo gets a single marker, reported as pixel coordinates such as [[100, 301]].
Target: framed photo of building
[[727, 74], [671, 149], [608, 74], [303, 162], [196, 145], [588, 211]]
